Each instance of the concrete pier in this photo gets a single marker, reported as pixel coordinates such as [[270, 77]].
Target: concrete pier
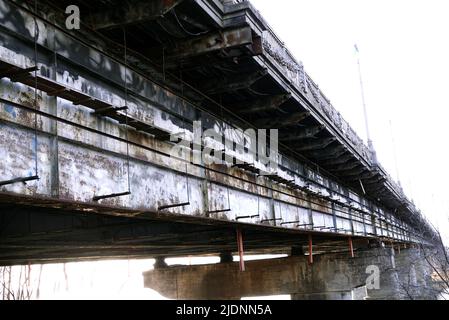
[[330, 277]]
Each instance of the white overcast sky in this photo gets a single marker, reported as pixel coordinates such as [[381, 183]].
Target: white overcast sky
[[404, 51]]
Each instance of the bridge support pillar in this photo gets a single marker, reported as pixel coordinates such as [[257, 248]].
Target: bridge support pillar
[[371, 274], [414, 275]]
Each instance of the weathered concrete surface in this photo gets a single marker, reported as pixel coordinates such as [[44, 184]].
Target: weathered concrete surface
[[331, 276], [82, 155], [76, 165], [414, 275]]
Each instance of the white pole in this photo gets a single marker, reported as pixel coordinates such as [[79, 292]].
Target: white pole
[[365, 112], [394, 153]]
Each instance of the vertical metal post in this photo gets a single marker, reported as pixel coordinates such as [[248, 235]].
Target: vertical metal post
[[351, 247], [310, 250], [240, 249], [399, 249]]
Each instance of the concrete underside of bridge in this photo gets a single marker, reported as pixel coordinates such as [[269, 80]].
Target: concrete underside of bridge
[[49, 235], [331, 276]]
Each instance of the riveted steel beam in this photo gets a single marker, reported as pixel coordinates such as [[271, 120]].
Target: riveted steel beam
[[304, 133], [231, 83], [261, 105], [289, 120], [320, 144], [131, 13]]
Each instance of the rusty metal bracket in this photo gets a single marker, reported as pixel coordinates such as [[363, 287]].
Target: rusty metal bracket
[[247, 217], [113, 195], [310, 256], [219, 211], [290, 222], [174, 205], [17, 180], [248, 167], [325, 228], [269, 220], [109, 109], [17, 74], [304, 225]]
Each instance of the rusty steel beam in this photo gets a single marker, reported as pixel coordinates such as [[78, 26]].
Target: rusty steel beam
[[112, 195], [351, 247], [273, 122], [336, 155], [355, 177], [301, 134], [240, 249], [80, 98], [261, 105], [310, 257], [231, 83], [131, 13], [200, 45], [23, 180], [345, 166], [373, 183], [320, 144], [349, 169]]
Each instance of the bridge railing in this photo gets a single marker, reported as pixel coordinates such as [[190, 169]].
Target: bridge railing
[[295, 74]]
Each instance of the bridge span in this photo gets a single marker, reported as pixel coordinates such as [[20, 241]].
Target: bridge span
[[89, 119]]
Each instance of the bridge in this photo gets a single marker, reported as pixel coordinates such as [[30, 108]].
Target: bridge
[[89, 119]]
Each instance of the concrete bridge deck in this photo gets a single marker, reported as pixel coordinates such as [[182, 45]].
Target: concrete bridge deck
[[82, 177]]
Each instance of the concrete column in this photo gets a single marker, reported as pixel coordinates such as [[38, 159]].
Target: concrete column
[[226, 257], [344, 295], [160, 263]]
